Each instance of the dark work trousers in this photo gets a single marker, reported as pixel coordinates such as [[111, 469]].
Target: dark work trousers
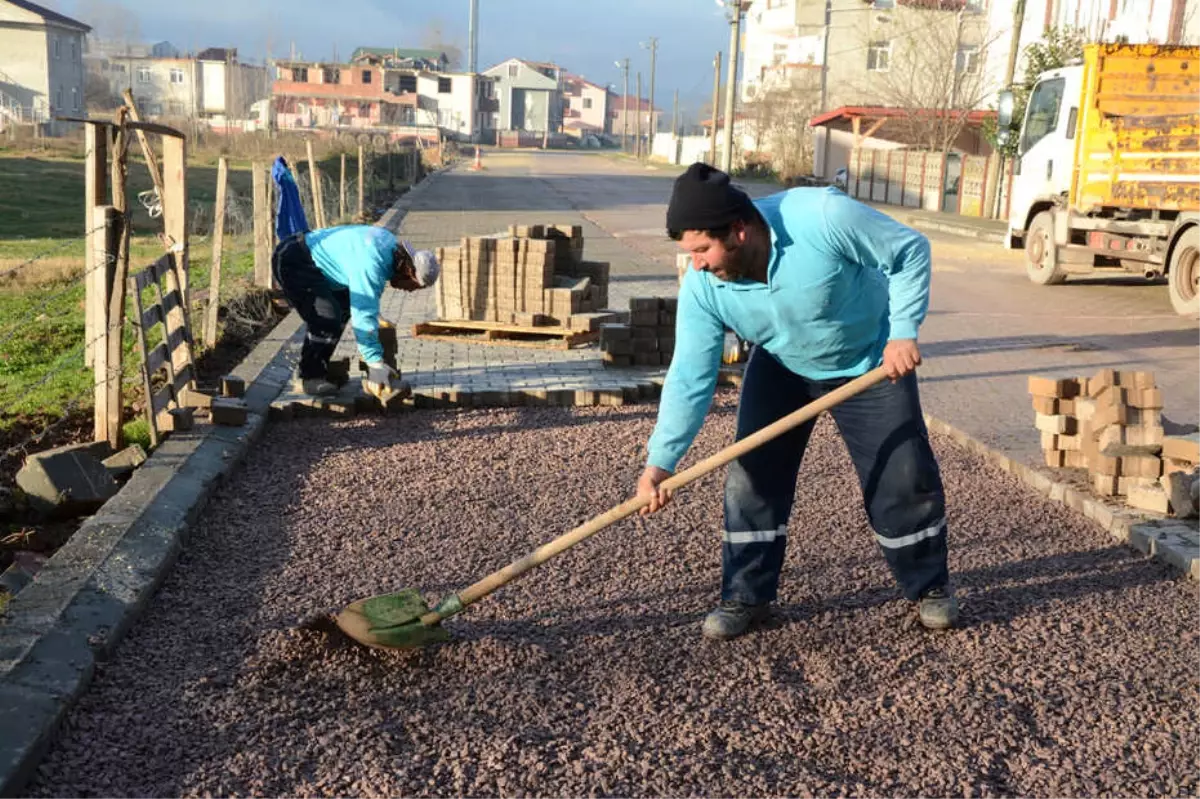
[[902, 487], [324, 307]]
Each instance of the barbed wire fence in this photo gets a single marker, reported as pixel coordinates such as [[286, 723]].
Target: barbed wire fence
[[47, 399]]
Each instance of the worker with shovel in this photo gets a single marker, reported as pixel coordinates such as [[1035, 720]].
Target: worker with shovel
[[337, 275], [827, 289]]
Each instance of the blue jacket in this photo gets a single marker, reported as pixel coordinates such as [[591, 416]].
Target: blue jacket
[[359, 258], [842, 280], [289, 214]]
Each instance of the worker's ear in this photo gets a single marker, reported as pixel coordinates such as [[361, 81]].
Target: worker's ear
[[739, 232]]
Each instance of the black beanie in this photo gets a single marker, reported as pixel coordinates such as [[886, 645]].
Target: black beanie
[[703, 199]]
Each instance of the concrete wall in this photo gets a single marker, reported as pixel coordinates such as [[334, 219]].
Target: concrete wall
[[682, 149]]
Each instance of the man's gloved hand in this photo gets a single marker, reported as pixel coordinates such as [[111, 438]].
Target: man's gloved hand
[[379, 381]]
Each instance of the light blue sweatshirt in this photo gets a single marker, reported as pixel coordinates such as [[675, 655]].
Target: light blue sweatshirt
[[843, 279], [359, 258]]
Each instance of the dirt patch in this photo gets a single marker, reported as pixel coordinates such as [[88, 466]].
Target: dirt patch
[[1075, 671]]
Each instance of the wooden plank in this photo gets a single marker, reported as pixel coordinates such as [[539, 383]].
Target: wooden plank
[[108, 242], [342, 192], [179, 325], [176, 338], [95, 195], [140, 314], [116, 296], [183, 383], [558, 339], [151, 316], [174, 203], [471, 324], [262, 225], [147, 150], [214, 283]]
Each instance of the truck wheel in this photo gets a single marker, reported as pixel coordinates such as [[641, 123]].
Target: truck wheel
[[1183, 276], [1041, 261]]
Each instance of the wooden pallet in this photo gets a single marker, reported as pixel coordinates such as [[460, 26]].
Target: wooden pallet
[[558, 338]]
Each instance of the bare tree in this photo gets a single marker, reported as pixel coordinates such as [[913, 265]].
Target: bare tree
[[778, 119], [932, 70]]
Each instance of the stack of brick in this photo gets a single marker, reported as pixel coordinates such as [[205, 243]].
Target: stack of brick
[[534, 277], [1109, 424], [647, 339], [1181, 474]]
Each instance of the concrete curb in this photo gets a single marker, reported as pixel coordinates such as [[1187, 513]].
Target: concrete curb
[[93, 590], [96, 587], [964, 231], [1172, 541]]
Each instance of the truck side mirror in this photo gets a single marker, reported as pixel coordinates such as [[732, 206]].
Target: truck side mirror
[[1005, 110]]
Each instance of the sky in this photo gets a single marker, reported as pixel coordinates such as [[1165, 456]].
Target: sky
[[584, 36]]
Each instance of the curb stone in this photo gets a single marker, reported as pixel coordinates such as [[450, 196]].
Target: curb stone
[[1175, 542], [964, 231], [92, 591]]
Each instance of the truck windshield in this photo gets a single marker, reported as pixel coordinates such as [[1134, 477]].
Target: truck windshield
[[1042, 117]]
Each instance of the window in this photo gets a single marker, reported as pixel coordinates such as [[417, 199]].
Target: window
[[587, 103], [74, 50], [513, 70], [366, 76], [967, 60], [364, 110], [1042, 116], [331, 76], [883, 4], [118, 68], [445, 118], [57, 46], [976, 6], [779, 53], [879, 56], [445, 85], [613, 115], [175, 108], [75, 98], [408, 84], [177, 76], [143, 74], [59, 105], [299, 75]]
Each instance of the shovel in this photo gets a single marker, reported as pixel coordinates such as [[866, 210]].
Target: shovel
[[402, 620]]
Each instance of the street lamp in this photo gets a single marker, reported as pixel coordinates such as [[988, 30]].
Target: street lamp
[[624, 67], [653, 48]]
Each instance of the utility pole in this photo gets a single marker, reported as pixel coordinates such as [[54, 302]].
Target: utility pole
[[674, 116], [638, 129], [473, 38], [991, 199], [624, 67], [735, 35], [653, 47], [825, 59], [716, 110]]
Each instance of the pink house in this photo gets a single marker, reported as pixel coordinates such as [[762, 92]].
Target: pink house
[[585, 106]]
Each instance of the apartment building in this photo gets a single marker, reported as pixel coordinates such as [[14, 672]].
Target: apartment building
[[41, 66], [585, 107]]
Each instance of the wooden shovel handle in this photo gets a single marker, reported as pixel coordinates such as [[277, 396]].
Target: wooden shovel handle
[[594, 525]]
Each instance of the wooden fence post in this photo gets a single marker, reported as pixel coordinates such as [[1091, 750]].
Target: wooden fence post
[[105, 249], [342, 192], [218, 242], [175, 221], [362, 171], [95, 194], [315, 178], [113, 405], [262, 226]]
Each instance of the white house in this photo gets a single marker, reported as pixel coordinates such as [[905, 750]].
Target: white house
[[41, 66]]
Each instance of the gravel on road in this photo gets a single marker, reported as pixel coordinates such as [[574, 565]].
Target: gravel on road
[[1075, 672]]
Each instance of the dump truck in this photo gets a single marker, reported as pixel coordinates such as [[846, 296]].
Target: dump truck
[[1107, 175]]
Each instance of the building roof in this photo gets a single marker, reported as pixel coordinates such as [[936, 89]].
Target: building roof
[[885, 112], [399, 52], [633, 104], [569, 78], [218, 54], [48, 15]]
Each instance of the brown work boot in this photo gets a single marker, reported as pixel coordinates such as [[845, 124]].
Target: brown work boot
[[938, 609]]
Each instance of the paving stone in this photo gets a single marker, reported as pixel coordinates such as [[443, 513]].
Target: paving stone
[[66, 481]]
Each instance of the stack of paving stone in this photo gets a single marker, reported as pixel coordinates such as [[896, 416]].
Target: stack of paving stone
[[1111, 425], [647, 338], [535, 276]]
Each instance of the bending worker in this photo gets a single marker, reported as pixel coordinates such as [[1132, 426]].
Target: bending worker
[[827, 289], [337, 275]]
